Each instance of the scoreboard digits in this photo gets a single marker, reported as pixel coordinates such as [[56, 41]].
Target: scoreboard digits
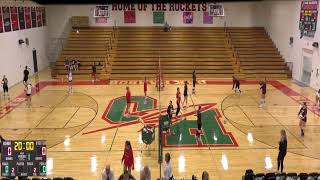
[[23, 158]]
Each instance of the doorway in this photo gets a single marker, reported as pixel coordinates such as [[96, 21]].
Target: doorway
[[35, 61], [306, 70]]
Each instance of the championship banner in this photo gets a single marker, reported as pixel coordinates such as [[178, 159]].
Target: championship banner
[[129, 17], [27, 17], [187, 17], [33, 17], [43, 10], [101, 20], [207, 19], [6, 19], [39, 14], [101, 11], [22, 24], [308, 18], [14, 18], [216, 9], [1, 22], [158, 17]]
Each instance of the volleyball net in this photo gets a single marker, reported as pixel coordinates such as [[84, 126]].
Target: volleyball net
[[159, 76]]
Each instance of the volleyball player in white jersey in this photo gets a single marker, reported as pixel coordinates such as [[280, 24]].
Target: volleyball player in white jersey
[[28, 90], [69, 77]]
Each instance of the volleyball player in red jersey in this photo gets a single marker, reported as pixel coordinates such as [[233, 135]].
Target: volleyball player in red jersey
[[127, 158], [145, 89], [128, 99], [178, 96]]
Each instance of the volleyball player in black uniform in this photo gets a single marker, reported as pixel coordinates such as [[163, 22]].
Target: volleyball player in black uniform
[[282, 149], [199, 123], [5, 86], [303, 117], [25, 76], [235, 84], [263, 87], [194, 80], [169, 113], [185, 94]]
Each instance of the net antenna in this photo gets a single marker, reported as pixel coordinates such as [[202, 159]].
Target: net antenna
[[159, 80]]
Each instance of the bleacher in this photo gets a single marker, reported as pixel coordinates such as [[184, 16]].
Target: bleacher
[[88, 45], [256, 53], [36, 178], [249, 175], [135, 52], [139, 49]]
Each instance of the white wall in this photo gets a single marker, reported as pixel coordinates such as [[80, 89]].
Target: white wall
[[282, 21], [13, 58], [242, 14]]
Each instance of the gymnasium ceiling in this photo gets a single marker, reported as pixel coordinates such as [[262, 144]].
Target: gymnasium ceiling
[[129, 1]]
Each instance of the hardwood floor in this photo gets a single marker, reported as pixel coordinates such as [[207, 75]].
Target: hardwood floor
[[86, 130]]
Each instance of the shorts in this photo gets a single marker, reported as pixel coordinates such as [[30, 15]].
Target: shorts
[[194, 83], [199, 126], [25, 79], [70, 81], [185, 95], [5, 89], [93, 74], [28, 95]]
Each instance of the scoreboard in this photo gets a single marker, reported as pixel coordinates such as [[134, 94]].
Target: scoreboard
[[23, 158], [308, 17]]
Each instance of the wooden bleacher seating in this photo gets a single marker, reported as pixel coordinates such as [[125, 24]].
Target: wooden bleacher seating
[[214, 52], [257, 53], [89, 45], [139, 49]]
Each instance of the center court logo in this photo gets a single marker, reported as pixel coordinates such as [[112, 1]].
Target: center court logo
[[213, 133]]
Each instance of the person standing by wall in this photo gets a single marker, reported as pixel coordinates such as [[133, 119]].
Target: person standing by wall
[[318, 97], [5, 86], [26, 75], [282, 149]]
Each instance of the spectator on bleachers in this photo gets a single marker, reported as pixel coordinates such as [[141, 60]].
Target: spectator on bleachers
[[77, 64], [145, 173], [107, 173], [167, 27], [126, 176], [205, 175], [73, 64], [167, 169], [94, 72], [67, 64]]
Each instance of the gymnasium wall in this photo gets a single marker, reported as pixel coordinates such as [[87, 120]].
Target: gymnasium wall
[[14, 57], [240, 14], [282, 21]]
